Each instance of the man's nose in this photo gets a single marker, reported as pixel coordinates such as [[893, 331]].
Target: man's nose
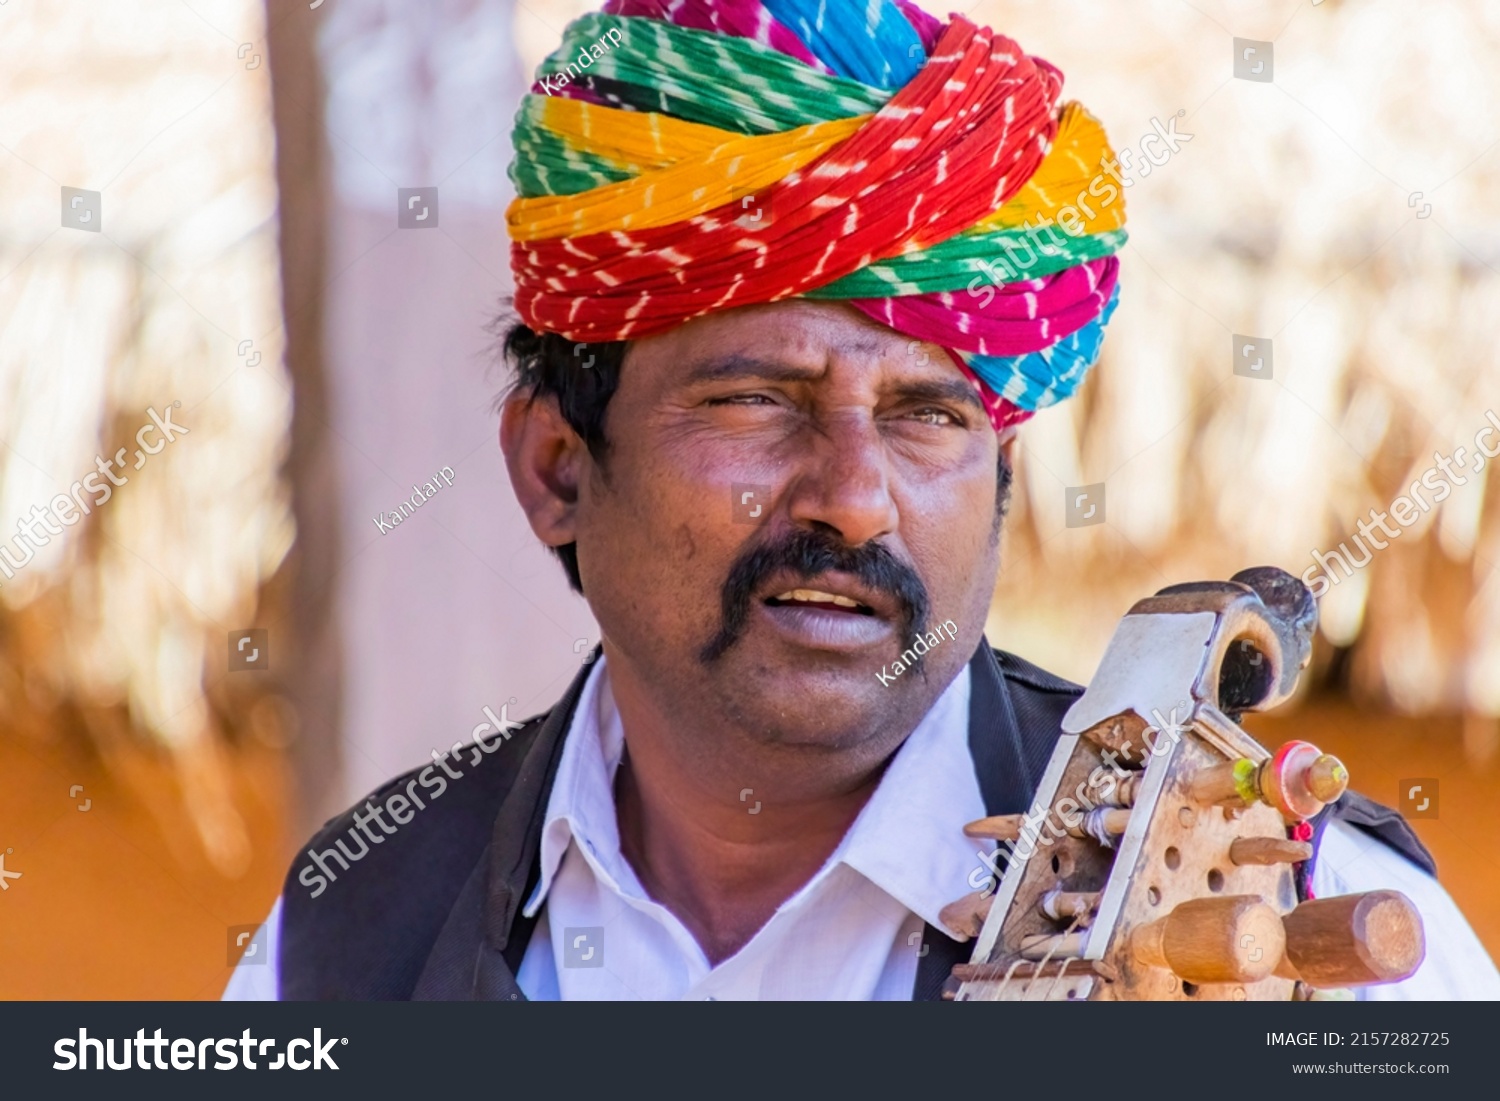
[[843, 481]]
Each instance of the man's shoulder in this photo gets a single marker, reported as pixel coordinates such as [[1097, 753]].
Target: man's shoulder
[[470, 777], [403, 852], [1019, 672]]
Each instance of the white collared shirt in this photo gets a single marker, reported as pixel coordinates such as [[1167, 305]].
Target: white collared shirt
[[853, 931]]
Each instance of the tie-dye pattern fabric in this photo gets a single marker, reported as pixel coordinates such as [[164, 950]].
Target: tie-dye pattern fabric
[[677, 157]]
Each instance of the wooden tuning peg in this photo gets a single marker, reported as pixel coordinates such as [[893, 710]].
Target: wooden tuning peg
[[966, 916], [1060, 905], [1235, 938], [1299, 780], [1353, 940], [1268, 850], [1008, 827]]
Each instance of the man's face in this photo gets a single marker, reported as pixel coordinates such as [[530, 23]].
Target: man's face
[[872, 515]]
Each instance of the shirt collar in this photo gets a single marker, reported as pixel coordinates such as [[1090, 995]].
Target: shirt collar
[[907, 840], [582, 803]]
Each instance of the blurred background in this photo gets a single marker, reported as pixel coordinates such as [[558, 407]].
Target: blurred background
[[199, 221]]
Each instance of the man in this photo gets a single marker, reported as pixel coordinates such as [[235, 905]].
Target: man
[[789, 277]]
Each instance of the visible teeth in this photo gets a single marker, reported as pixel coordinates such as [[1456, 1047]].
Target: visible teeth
[[815, 596]]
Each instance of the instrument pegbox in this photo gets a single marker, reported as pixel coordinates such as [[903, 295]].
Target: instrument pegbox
[[1154, 862]]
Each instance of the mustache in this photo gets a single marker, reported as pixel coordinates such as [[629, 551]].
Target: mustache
[[805, 553]]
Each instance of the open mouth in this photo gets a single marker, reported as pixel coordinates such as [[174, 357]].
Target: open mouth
[[822, 601], [829, 611]]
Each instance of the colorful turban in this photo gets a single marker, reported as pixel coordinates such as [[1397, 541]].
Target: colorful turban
[[677, 157]]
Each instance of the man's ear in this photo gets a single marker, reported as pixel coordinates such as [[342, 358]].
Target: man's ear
[[546, 461], [1008, 447]]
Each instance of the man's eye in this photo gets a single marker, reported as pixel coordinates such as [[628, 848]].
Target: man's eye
[[742, 399], [934, 416]]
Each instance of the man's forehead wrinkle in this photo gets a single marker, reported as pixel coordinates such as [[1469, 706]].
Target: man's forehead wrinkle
[[740, 365], [867, 344]]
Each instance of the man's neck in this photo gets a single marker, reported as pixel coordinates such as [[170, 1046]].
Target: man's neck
[[723, 868], [723, 823]]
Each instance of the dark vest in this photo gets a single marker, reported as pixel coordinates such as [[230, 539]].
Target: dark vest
[[433, 910]]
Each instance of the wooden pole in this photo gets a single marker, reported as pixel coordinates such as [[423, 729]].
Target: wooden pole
[[309, 641]]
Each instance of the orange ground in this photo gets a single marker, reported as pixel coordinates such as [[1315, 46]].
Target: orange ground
[[118, 902]]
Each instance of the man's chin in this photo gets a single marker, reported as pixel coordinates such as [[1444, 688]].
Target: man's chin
[[833, 697]]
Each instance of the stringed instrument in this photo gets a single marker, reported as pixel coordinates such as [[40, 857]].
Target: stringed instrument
[[1163, 857]]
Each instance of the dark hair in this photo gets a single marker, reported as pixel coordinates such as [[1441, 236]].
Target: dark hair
[[582, 378]]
